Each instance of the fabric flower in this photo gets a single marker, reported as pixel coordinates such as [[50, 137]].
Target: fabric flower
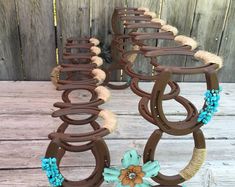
[[132, 174]]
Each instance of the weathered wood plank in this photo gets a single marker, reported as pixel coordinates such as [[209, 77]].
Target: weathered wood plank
[[27, 154], [37, 38], [101, 14], [39, 97], [153, 6], [17, 127], [142, 65], [227, 50], [179, 14], [207, 29], [10, 57], [73, 21], [173, 14], [211, 174]]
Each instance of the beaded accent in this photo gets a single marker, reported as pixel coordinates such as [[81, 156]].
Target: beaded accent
[[50, 167], [212, 98]]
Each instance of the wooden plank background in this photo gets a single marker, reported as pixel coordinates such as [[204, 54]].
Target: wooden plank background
[[28, 36], [37, 35]]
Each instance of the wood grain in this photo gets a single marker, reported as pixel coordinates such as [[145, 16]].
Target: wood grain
[[129, 127], [227, 50], [208, 176], [179, 14], [207, 29], [73, 21], [10, 57], [25, 123], [27, 154], [38, 98], [37, 38], [142, 64], [101, 28]]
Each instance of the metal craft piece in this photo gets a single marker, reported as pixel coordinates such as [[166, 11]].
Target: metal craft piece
[[81, 70]]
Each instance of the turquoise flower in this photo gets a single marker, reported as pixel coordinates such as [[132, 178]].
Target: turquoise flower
[[50, 167], [132, 174], [212, 98]]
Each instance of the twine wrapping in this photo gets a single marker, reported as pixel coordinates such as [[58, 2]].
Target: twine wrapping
[[55, 75], [144, 9], [198, 158], [99, 75], [131, 58], [97, 60], [151, 14], [158, 20], [184, 40], [207, 57], [103, 93], [110, 120], [96, 50], [170, 28], [94, 41]]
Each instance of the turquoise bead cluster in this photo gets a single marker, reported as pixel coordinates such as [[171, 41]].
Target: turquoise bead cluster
[[49, 165], [212, 98]]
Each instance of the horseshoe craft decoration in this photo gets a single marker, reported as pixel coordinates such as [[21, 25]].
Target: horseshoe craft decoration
[[191, 122], [99, 95], [55, 152], [81, 70], [123, 16], [86, 63], [199, 155]]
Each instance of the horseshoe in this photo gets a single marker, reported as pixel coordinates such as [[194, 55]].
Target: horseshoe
[[59, 146], [189, 171], [99, 95]]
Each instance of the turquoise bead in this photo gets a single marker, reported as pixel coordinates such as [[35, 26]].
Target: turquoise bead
[[50, 167], [212, 98]]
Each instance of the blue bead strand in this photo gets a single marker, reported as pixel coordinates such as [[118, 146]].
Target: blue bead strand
[[50, 167], [212, 98]]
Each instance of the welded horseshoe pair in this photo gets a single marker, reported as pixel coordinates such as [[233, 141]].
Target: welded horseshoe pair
[[191, 124]]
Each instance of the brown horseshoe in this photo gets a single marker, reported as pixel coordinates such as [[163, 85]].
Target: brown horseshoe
[[58, 147], [64, 112], [149, 152], [190, 124], [95, 99]]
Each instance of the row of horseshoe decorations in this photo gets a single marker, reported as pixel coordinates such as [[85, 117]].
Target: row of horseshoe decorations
[[82, 70]]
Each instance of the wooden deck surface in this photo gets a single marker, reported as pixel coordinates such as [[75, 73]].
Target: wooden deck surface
[[26, 122]]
